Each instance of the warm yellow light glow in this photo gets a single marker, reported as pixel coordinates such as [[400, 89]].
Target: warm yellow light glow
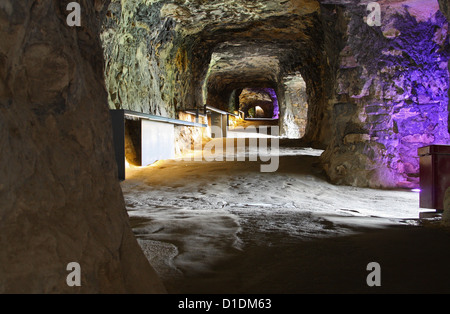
[[235, 121], [131, 167], [156, 163], [259, 111]]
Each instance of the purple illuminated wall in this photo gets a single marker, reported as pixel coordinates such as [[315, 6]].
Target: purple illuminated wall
[[271, 92], [419, 104], [273, 95]]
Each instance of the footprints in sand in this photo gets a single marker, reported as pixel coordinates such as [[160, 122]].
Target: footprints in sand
[[198, 213]]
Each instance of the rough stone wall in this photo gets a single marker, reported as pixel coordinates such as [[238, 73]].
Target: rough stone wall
[[252, 97], [60, 200], [158, 52], [390, 97], [139, 70], [375, 93], [147, 67], [188, 138], [445, 9], [295, 112]]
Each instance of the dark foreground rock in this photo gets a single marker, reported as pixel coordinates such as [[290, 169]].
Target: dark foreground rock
[[60, 201]]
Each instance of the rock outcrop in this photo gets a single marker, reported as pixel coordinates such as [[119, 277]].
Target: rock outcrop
[[60, 200], [390, 95]]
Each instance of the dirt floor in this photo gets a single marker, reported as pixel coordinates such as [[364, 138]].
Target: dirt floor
[[411, 259], [225, 227]]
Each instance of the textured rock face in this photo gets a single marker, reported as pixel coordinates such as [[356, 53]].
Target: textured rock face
[[253, 98], [295, 113], [164, 56], [445, 8], [374, 95], [390, 96], [60, 201], [137, 74], [446, 214]]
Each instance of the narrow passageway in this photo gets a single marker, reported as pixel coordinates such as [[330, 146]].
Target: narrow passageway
[[225, 227]]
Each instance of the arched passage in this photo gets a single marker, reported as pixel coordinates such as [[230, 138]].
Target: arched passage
[[259, 103]]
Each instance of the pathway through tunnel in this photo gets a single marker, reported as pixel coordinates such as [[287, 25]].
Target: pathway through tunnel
[[226, 227]]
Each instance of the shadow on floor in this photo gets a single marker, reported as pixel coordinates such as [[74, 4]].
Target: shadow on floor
[[413, 260]]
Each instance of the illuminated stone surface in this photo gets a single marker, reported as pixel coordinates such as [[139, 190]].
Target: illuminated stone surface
[[445, 8], [251, 97], [387, 83], [391, 90]]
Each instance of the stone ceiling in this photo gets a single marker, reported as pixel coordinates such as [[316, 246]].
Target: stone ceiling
[[194, 16], [236, 65]]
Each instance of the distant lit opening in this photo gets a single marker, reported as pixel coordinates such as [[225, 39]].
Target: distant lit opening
[[257, 103]]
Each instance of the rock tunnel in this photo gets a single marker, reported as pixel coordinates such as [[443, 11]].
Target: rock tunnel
[[370, 105], [366, 95]]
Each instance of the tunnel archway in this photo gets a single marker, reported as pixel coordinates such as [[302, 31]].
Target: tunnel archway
[[237, 66], [259, 103]]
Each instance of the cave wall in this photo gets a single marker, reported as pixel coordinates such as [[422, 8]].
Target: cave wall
[[188, 138], [147, 67], [60, 200], [390, 97], [139, 71], [295, 112], [253, 97], [445, 9], [158, 52]]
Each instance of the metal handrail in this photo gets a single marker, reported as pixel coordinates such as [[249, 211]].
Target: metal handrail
[[161, 119], [220, 111], [260, 119]]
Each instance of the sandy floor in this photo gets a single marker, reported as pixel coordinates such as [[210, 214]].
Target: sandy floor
[[226, 227]]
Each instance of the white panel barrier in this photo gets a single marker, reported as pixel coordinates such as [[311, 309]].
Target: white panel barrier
[[157, 141]]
